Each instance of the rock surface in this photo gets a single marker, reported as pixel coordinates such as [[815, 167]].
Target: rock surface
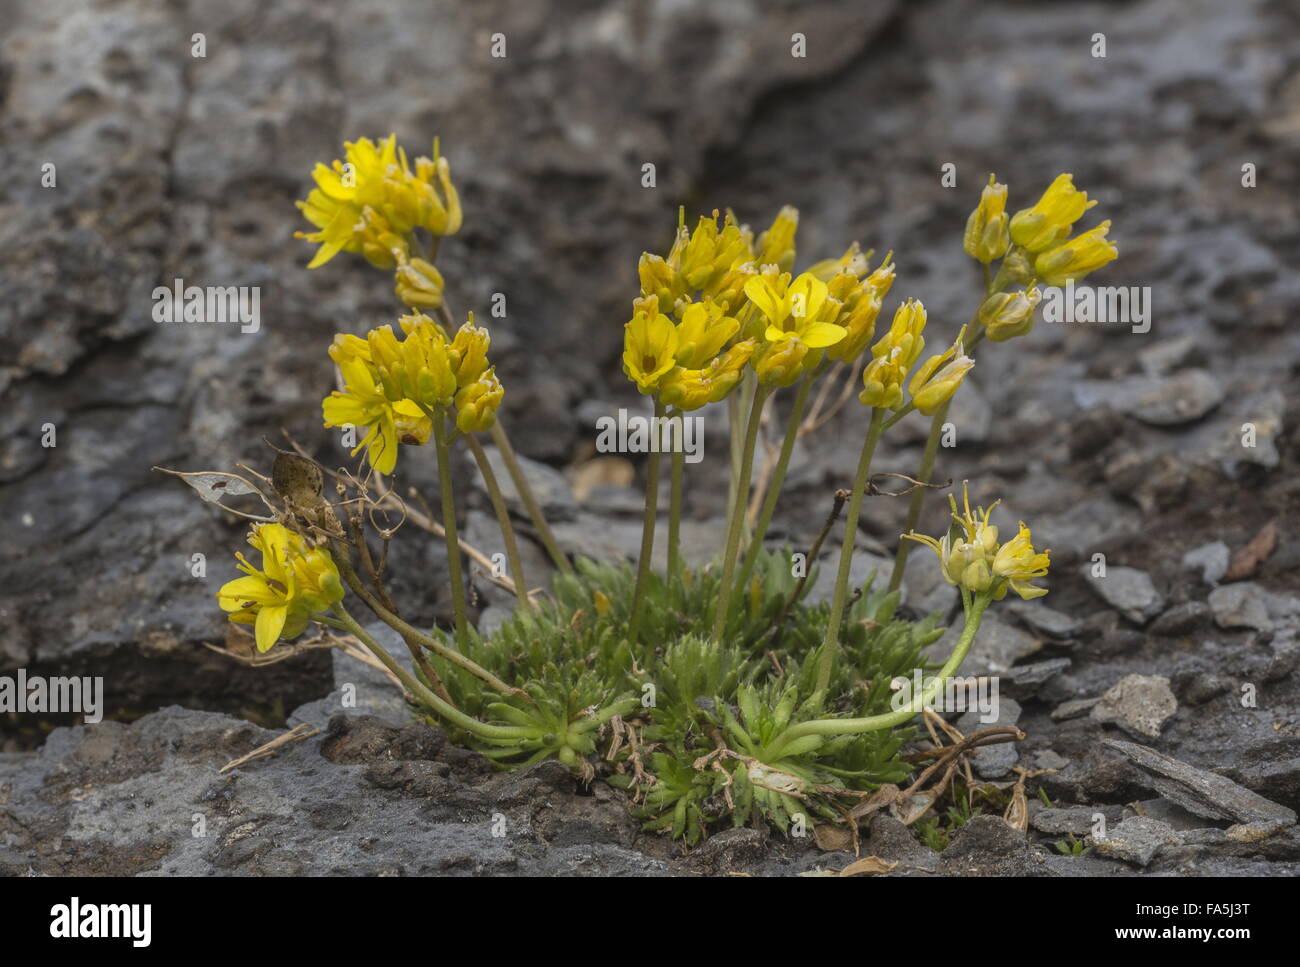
[[171, 166]]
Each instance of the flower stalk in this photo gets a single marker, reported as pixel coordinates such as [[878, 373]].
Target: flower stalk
[[774, 484], [647, 534], [737, 522], [503, 520], [831, 642], [443, 451]]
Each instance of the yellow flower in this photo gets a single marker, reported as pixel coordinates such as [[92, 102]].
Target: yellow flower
[[658, 281], [798, 309], [418, 368], [776, 245], [689, 389], [278, 599], [780, 362], [468, 352], [938, 377], [986, 235], [649, 349], [1074, 259], [852, 264], [419, 283], [893, 357], [973, 559], [703, 331], [704, 257], [477, 402], [372, 202], [363, 403], [1019, 563], [1050, 219], [862, 304], [1006, 315]]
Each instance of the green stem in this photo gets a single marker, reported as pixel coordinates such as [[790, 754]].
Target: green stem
[[408, 631], [526, 495], [737, 522], [503, 520], [774, 485], [449, 528], [424, 695], [675, 502], [831, 642], [918, 496], [889, 720], [647, 531]]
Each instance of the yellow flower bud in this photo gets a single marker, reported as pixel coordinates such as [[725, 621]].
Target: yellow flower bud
[[476, 403], [468, 352], [689, 389], [702, 333], [1076, 258], [893, 358], [1006, 315], [780, 362], [657, 279], [861, 309], [976, 576], [987, 236], [427, 377], [776, 245], [1050, 219], [852, 264], [938, 378], [419, 284]]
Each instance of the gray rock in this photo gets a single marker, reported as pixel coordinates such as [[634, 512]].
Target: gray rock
[[547, 484], [1128, 590], [1078, 820], [1241, 605], [1210, 559], [1135, 840], [1167, 355], [1074, 709], [1139, 704], [1252, 435], [987, 846], [996, 648], [1025, 681], [1161, 401], [1045, 620], [1203, 793], [1170, 813], [1181, 619]]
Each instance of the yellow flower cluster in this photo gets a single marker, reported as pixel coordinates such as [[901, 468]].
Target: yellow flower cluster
[[1035, 247], [893, 357], [372, 202], [395, 387], [294, 582], [721, 301], [971, 557]]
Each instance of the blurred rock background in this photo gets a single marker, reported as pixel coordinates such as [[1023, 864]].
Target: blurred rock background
[[1107, 441]]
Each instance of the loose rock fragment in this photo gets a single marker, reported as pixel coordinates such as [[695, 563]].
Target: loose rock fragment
[[1203, 793], [1129, 591], [1139, 704]]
